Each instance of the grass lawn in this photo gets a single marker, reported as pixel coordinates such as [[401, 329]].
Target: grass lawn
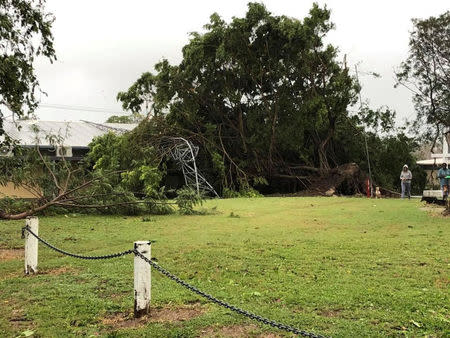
[[341, 267]]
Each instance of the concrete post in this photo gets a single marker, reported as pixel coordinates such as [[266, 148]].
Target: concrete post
[[31, 246], [142, 279]]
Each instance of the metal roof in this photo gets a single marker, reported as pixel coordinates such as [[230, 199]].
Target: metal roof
[[74, 133], [437, 162]]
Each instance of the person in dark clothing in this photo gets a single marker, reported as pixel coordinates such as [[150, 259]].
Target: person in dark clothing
[[443, 173]]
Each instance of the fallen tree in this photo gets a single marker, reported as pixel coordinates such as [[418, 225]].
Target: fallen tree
[[109, 180], [267, 102], [254, 93]]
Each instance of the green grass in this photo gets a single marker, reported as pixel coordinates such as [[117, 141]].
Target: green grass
[[342, 267]]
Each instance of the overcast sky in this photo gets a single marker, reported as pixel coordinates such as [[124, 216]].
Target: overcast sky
[[103, 46]]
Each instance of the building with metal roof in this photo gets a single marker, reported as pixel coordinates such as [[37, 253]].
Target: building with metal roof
[[432, 165], [73, 144], [75, 134]]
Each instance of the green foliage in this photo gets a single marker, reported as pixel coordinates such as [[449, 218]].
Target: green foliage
[[187, 199], [217, 163], [263, 94], [136, 174], [143, 97], [379, 120], [13, 205], [30, 169], [228, 193], [133, 118], [116, 177], [249, 192], [255, 93], [137, 166], [244, 192], [425, 72], [24, 35], [388, 153], [259, 180], [144, 176]]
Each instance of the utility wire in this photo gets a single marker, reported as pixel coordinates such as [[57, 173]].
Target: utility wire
[[365, 138], [78, 108]]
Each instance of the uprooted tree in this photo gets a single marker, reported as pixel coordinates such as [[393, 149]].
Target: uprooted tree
[[116, 177], [257, 93], [263, 96]]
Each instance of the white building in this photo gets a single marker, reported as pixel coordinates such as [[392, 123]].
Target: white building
[[431, 165], [438, 159]]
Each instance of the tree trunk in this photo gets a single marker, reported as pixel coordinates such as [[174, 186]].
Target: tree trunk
[[12, 217], [24, 214], [324, 166], [272, 138], [241, 131], [447, 135]]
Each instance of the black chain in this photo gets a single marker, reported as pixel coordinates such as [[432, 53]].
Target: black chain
[[226, 305], [183, 283], [114, 255]]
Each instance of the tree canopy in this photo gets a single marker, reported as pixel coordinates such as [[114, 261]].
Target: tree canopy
[[25, 33], [426, 72], [266, 101], [257, 93], [133, 118]]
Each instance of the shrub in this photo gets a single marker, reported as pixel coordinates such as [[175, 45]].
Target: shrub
[[187, 199]]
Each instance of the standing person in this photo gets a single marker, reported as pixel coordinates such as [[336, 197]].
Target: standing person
[[444, 182], [406, 177]]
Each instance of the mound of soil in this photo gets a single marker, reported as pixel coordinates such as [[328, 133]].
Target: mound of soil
[[158, 314]]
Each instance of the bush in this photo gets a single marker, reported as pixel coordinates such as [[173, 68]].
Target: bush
[[14, 205], [246, 192], [187, 199]]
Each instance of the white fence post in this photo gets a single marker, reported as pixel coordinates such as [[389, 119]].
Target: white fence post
[[31, 245], [142, 279]]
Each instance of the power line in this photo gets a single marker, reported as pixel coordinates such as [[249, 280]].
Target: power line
[[365, 138], [79, 108]]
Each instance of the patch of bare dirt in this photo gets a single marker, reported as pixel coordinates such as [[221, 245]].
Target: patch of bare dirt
[[435, 210], [236, 331], [160, 315], [123, 320], [330, 313], [11, 275], [10, 254], [113, 295], [179, 314], [57, 271], [442, 283], [17, 319], [446, 212], [54, 272]]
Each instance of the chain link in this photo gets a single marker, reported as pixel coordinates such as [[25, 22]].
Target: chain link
[[114, 255], [226, 305], [183, 283]]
